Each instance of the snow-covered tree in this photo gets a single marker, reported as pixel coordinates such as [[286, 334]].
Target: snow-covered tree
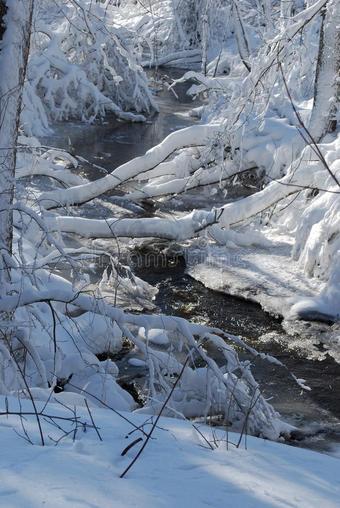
[[82, 66], [327, 88], [16, 24]]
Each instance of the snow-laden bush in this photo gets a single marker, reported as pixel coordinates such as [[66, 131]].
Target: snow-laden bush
[[66, 338], [72, 336], [82, 67]]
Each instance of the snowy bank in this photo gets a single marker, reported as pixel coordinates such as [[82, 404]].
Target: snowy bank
[[177, 468], [265, 274]]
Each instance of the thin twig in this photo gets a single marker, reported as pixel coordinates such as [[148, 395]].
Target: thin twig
[[94, 425], [156, 420]]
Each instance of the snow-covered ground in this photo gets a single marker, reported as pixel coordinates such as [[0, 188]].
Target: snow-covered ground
[[177, 468]]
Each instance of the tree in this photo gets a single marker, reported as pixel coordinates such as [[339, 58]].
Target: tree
[[16, 24], [82, 66], [327, 87]]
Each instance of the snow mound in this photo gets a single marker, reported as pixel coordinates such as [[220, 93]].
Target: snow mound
[[156, 336]]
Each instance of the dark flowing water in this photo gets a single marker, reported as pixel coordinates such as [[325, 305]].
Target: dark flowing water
[[114, 142], [316, 413]]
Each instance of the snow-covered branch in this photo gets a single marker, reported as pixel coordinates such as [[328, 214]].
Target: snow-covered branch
[[191, 136]]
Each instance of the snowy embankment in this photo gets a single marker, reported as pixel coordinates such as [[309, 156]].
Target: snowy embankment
[[292, 267], [264, 274], [176, 468]]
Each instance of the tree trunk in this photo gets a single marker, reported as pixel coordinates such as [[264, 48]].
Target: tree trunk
[[15, 32], [3, 10], [241, 37], [326, 87], [286, 9]]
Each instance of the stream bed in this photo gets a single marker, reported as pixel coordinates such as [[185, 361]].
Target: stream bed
[[316, 413]]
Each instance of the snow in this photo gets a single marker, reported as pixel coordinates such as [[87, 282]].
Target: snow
[[176, 468], [281, 252], [325, 305], [82, 65], [291, 265], [136, 362], [156, 336], [265, 274]]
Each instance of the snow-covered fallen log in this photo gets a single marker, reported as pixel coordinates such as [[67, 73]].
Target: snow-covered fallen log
[[164, 60], [168, 228], [184, 164], [219, 83], [309, 174], [201, 177]]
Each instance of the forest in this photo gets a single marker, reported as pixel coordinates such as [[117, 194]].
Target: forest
[[169, 253]]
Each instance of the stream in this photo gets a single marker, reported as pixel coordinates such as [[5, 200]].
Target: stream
[[316, 414]]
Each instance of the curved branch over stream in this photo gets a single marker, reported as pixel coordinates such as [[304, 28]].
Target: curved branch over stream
[[192, 136]]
